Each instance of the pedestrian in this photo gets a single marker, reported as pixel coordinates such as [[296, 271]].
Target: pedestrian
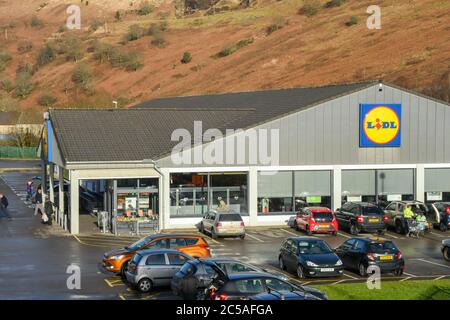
[[4, 206], [39, 204], [29, 190]]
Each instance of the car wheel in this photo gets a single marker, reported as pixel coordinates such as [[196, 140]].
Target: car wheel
[[145, 285], [308, 231], [242, 236], [213, 234], [300, 273], [362, 270], [202, 228], [124, 268], [399, 227], [354, 229], [446, 253], [442, 227], [380, 232], [281, 263], [398, 272], [335, 233]]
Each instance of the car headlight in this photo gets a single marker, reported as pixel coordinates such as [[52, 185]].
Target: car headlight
[[116, 257], [311, 264], [339, 262]]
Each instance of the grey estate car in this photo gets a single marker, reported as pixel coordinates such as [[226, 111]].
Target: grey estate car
[[154, 268], [223, 223]]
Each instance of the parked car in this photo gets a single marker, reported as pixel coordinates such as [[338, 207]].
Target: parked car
[[361, 217], [197, 274], [242, 286], [446, 249], [154, 268], [194, 245], [316, 220], [309, 257], [394, 213], [223, 223], [282, 295], [440, 211], [360, 253]]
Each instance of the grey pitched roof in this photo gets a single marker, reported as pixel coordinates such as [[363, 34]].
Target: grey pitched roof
[[9, 118], [144, 131]]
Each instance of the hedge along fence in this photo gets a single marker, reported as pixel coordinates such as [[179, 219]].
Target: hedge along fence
[[18, 152]]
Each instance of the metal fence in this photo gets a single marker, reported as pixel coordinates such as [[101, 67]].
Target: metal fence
[[18, 152]]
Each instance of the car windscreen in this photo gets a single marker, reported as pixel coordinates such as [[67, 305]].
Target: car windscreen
[[382, 247], [313, 247], [138, 244], [323, 216], [230, 217], [372, 210]]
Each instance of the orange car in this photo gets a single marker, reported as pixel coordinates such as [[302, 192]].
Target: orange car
[[191, 244]]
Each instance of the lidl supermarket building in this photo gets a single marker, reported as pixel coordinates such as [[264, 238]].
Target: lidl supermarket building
[[367, 141]]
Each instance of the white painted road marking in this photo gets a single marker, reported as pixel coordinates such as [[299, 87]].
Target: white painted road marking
[[410, 274], [437, 264], [294, 234], [438, 235], [343, 235], [405, 279], [347, 275], [255, 238]]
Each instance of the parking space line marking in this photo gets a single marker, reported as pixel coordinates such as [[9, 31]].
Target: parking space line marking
[[255, 238], [409, 274], [437, 264], [294, 234], [391, 235], [210, 239], [121, 296], [109, 284], [439, 278], [337, 282], [404, 279], [438, 235], [343, 235], [347, 275]]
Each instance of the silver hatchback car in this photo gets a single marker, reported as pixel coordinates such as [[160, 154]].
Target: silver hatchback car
[[154, 268], [223, 223]]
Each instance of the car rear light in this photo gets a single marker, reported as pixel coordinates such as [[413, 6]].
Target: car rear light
[[222, 296], [398, 255], [242, 224], [447, 210], [360, 219], [385, 218], [218, 225], [370, 256]]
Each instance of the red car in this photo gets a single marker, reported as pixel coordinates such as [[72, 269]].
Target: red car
[[316, 220]]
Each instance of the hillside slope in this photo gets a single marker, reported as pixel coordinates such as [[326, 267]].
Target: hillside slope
[[412, 49]]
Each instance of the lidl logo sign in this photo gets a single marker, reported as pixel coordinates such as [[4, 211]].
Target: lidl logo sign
[[380, 125]]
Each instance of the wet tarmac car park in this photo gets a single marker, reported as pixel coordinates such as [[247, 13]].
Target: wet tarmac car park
[[35, 257]]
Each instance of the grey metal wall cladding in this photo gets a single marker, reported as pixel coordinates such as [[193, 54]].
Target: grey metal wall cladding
[[398, 181], [275, 184], [358, 182], [437, 180], [317, 183], [329, 133]]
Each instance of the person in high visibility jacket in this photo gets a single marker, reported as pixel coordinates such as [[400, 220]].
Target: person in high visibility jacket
[[408, 213]]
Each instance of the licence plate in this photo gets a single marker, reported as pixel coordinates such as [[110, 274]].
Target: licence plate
[[324, 226], [384, 258], [231, 231], [374, 220], [327, 269]]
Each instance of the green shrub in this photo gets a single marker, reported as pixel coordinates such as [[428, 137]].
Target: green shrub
[[187, 57], [158, 40], [24, 85], [47, 99], [2, 66], [61, 29], [102, 51], [6, 85], [119, 15], [134, 62], [82, 75], [145, 8], [25, 67], [5, 57], [135, 32], [277, 24], [95, 25], [310, 8], [24, 46], [353, 20], [7, 103], [46, 55], [334, 3], [35, 22], [164, 26], [233, 48], [72, 48]]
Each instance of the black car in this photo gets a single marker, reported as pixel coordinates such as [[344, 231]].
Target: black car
[[439, 214], [361, 217], [309, 257], [446, 249], [242, 286], [360, 253], [282, 295]]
